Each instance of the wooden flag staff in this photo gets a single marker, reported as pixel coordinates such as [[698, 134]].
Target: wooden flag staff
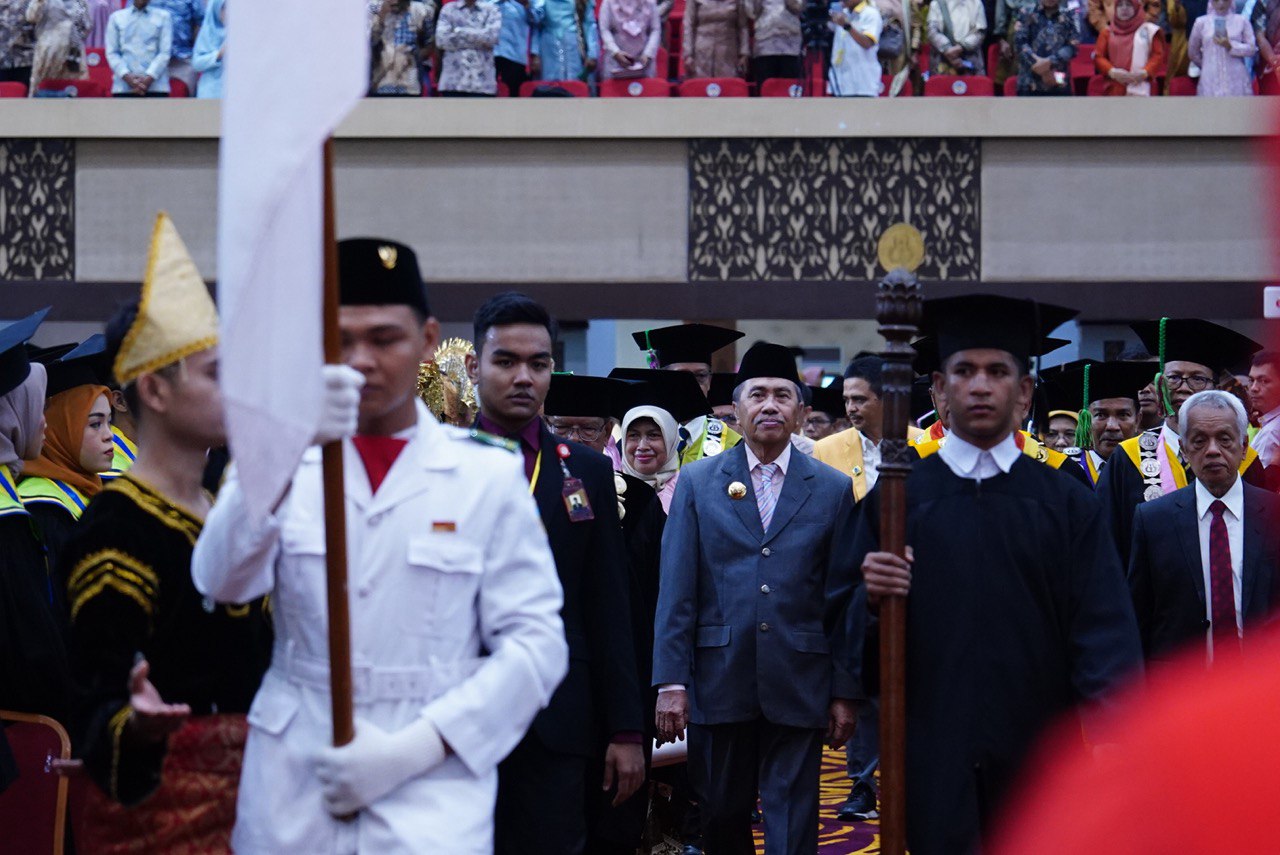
[[335, 519], [898, 310]]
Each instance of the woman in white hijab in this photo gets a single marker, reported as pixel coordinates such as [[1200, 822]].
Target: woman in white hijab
[[649, 438]]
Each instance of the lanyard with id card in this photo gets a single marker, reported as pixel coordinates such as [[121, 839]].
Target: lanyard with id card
[[573, 493]]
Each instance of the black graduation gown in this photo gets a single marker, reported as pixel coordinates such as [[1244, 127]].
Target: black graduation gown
[[54, 524], [1121, 490], [34, 675], [620, 829], [1018, 610], [130, 591]]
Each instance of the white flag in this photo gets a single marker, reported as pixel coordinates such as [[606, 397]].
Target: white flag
[[293, 70]]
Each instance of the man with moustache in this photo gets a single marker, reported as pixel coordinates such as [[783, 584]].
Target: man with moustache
[[758, 636], [595, 715], [1017, 609]]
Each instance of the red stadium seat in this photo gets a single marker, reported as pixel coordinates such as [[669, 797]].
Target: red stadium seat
[[1081, 69], [96, 61], [950, 85], [906, 91], [576, 88], [178, 89], [637, 87], [662, 64], [1182, 86], [33, 809], [13, 90], [993, 59], [714, 87], [1097, 86], [504, 91], [85, 87], [1269, 84], [782, 87], [1011, 87]]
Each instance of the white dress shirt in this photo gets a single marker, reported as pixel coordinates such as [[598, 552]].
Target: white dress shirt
[[969, 461], [1267, 440], [870, 460], [1234, 518]]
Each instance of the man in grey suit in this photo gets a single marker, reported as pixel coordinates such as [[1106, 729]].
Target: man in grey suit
[[1203, 560], [758, 638]]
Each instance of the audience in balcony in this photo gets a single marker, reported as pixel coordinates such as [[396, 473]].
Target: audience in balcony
[[1101, 13], [775, 50], [99, 13], [60, 30], [467, 33], [855, 67], [715, 41], [1265, 18], [17, 42], [957, 31], [1045, 41], [631, 31], [566, 41], [1220, 43], [139, 41], [896, 38], [511, 56], [1130, 52], [210, 47], [1006, 20], [185, 17], [400, 35]]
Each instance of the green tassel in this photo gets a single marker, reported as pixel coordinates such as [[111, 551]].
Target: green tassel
[[1161, 385], [1084, 421]]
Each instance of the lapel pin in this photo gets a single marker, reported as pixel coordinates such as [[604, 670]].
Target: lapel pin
[[857, 470], [737, 490]]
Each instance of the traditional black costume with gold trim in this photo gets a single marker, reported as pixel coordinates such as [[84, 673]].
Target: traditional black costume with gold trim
[[130, 592]]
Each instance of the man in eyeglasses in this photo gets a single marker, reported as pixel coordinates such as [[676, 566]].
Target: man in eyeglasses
[[1193, 352]]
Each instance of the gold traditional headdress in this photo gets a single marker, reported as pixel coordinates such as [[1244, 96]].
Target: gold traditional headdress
[[176, 315], [444, 386]]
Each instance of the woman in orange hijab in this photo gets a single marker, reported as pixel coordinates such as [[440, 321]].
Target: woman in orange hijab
[[57, 485], [1131, 52]]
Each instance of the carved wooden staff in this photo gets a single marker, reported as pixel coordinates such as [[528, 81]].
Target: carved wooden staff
[[898, 309]]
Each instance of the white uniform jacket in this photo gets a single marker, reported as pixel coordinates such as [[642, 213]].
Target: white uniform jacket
[[455, 615]]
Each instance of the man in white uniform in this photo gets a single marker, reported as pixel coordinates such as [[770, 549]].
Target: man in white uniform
[[456, 636]]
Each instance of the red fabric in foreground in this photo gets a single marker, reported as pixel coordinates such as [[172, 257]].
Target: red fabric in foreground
[[1196, 769]]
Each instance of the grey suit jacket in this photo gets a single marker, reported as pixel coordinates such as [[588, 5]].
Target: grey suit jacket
[[1166, 578], [753, 622]]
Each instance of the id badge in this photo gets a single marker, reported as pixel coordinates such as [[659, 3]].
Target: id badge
[[576, 501]]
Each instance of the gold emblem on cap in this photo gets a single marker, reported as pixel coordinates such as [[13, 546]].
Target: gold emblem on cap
[[388, 255], [901, 245], [737, 490]]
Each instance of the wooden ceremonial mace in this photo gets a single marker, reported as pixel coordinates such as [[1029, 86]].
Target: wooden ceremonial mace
[[898, 310], [335, 515]]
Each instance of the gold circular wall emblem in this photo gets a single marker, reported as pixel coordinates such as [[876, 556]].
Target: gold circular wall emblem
[[901, 245]]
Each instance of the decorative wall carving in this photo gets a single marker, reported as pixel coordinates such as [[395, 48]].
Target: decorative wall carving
[[814, 209], [37, 209]]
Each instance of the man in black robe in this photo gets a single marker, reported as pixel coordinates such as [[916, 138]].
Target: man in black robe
[[1192, 353], [1017, 608]]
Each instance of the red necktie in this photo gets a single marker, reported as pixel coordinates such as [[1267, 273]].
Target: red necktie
[[1222, 592]]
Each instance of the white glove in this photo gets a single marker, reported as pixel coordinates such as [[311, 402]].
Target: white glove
[[341, 407], [375, 763]]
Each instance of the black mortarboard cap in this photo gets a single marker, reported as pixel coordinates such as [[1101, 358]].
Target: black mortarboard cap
[[829, 399], [45, 355], [1106, 380], [921, 399], [85, 365], [685, 342], [1199, 341], [765, 359], [927, 361], [15, 364], [377, 272], [583, 396], [979, 321], [677, 392], [722, 386]]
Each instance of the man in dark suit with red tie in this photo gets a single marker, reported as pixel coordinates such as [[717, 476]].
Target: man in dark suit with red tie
[[1203, 558]]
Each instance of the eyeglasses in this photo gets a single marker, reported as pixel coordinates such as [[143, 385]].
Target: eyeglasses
[[576, 432], [1194, 382], [730, 419], [818, 422]]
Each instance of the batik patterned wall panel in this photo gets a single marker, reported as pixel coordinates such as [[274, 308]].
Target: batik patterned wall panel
[[814, 209], [37, 209]]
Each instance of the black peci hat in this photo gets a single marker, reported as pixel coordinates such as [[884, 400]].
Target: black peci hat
[[766, 359], [377, 272], [722, 386], [829, 399]]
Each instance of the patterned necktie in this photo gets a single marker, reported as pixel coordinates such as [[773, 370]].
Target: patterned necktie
[[765, 499], [1222, 593]]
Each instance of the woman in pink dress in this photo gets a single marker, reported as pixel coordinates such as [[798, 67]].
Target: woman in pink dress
[[631, 31], [1220, 42]]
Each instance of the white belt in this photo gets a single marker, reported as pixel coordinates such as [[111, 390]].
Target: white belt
[[375, 683]]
